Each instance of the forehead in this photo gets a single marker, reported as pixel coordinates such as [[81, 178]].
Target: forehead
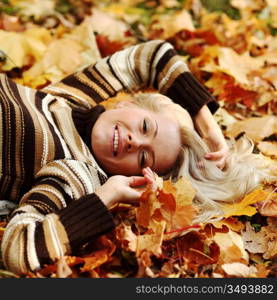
[[167, 143]]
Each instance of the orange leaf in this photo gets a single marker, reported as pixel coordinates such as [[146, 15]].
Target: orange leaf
[[147, 204], [183, 216], [96, 260]]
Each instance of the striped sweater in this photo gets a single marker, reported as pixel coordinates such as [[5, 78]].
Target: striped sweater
[[48, 168]]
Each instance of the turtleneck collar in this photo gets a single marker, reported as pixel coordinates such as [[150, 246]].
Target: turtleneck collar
[[85, 120]]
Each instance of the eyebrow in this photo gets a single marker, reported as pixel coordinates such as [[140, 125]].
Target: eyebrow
[[154, 135], [156, 130]]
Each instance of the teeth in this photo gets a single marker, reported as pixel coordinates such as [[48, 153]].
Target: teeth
[[115, 141]]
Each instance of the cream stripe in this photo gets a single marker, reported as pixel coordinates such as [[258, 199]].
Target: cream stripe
[[31, 248], [45, 108], [123, 70], [105, 71], [48, 190], [55, 240], [168, 74], [60, 90], [157, 58], [86, 81], [45, 136]]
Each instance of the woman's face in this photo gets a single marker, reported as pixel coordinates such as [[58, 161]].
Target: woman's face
[[127, 139]]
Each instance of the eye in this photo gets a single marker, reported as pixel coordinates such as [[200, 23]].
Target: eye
[[144, 126], [143, 159]]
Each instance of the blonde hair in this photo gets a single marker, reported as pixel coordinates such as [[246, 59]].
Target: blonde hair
[[243, 172]]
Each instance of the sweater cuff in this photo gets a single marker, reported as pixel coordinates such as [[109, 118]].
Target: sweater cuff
[[191, 94], [85, 219]]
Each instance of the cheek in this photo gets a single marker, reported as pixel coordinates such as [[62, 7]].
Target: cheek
[[127, 166]]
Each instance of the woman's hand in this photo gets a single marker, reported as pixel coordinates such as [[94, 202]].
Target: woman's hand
[[149, 175], [121, 188], [211, 133], [218, 146]]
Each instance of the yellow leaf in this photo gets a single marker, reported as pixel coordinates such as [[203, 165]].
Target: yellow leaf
[[227, 241], [172, 23], [182, 191], [243, 207], [255, 128], [238, 66], [151, 242]]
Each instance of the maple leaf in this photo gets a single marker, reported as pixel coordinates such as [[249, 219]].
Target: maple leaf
[[243, 207]]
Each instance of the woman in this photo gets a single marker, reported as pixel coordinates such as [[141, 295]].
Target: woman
[[59, 146]]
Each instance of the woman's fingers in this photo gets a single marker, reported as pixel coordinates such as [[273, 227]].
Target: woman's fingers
[[136, 181], [216, 155], [219, 157]]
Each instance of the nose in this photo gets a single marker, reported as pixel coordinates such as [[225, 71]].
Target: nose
[[133, 142]]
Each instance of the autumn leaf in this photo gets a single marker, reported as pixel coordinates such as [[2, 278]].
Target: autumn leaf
[[255, 128], [243, 207], [231, 246], [239, 270], [192, 246], [169, 24], [97, 259], [108, 47], [254, 242], [147, 205], [151, 242]]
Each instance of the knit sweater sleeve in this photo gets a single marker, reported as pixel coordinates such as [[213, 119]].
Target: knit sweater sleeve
[[154, 64], [58, 215]]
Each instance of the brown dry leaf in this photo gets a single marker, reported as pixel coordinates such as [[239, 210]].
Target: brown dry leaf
[[126, 237], [271, 233], [197, 250], [254, 242], [255, 128], [243, 207]]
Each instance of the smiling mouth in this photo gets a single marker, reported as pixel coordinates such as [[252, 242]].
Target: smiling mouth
[[115, 141]]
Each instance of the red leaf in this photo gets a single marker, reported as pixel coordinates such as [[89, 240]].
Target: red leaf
[[107, 47]]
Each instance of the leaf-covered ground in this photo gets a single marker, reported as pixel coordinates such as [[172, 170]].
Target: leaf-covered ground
[[231, 47]]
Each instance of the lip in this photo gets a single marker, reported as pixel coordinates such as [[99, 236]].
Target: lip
[[119, 140]]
